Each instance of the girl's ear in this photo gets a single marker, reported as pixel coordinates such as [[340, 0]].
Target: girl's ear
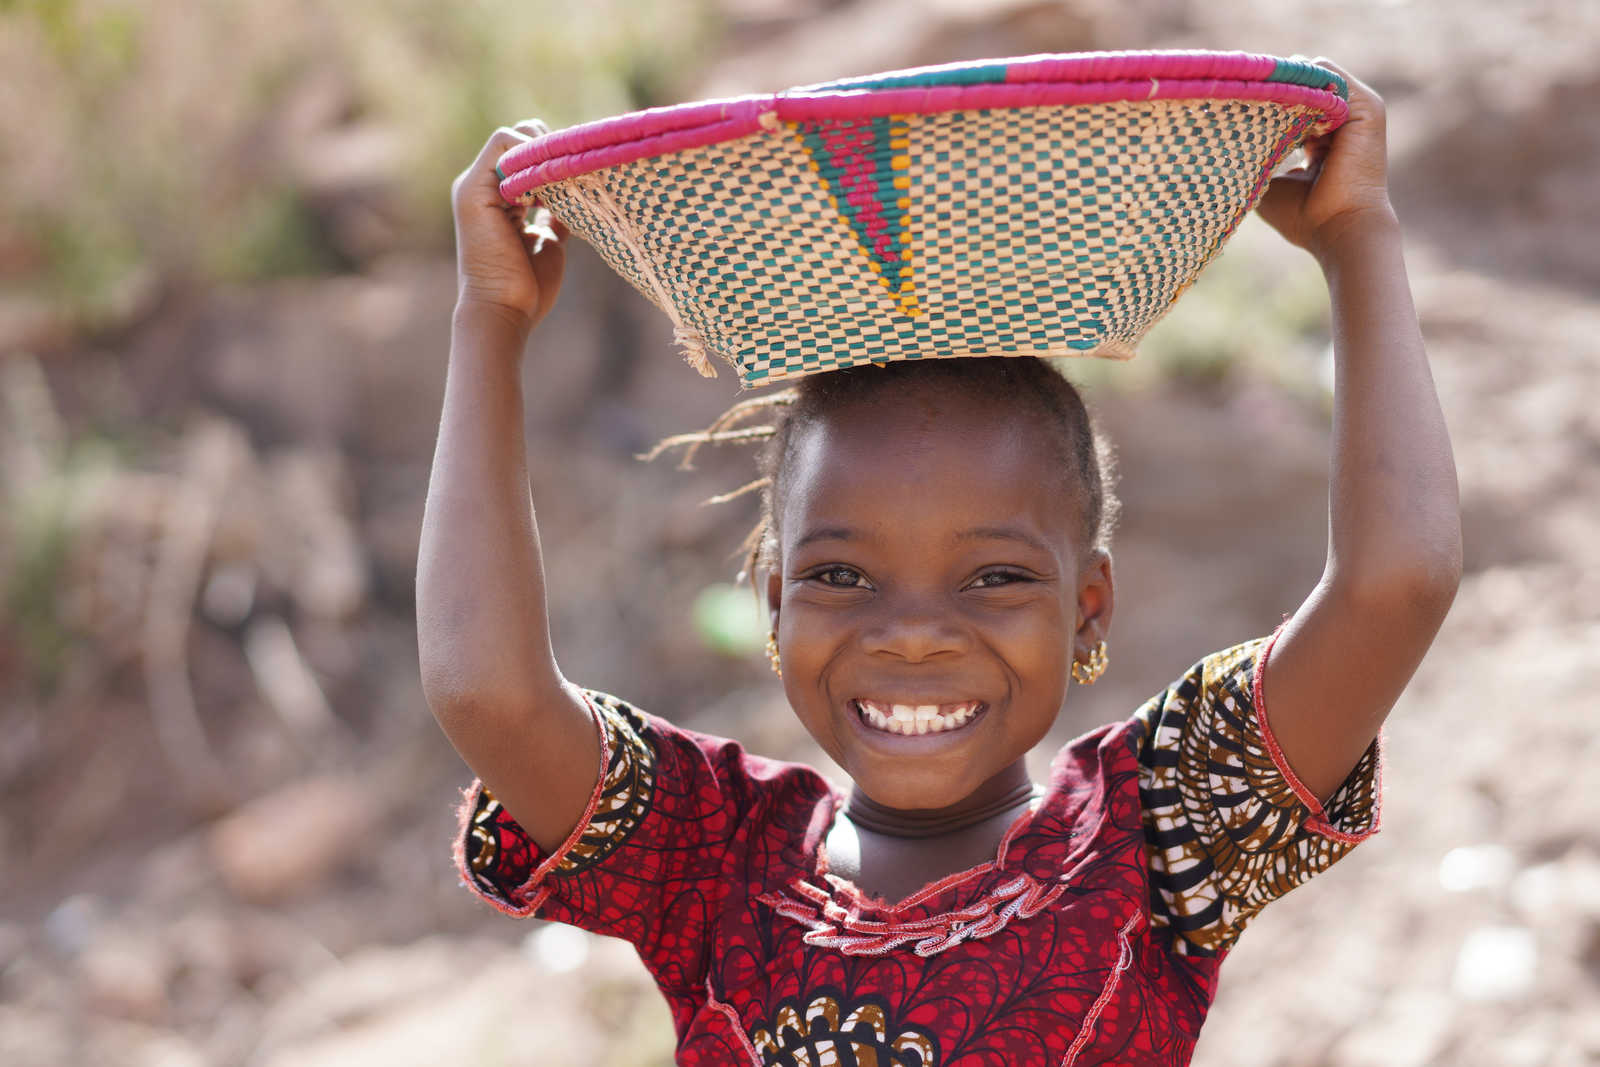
[[1096, 600]]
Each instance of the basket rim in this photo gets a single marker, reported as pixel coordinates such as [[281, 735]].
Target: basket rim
[[1027, 81]]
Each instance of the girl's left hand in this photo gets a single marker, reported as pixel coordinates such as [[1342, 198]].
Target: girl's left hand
[[1345, 179]]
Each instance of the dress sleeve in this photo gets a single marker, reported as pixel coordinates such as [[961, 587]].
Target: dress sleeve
[[675, 823], [1228, 826]]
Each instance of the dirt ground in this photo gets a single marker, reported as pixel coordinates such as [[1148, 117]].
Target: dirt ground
[[227, 825]]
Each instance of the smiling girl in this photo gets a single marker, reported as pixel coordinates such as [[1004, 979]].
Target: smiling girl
[[935, 564]]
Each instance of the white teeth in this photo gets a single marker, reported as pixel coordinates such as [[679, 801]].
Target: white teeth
[[911, 719]]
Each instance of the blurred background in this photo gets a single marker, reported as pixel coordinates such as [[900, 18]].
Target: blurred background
[[225, 287]]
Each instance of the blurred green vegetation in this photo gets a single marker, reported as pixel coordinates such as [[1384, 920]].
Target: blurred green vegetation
[[45, 475], [155, 139], [39, 534], [728, 620]]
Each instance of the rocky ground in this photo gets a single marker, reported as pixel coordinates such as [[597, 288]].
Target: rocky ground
[[227, 825]]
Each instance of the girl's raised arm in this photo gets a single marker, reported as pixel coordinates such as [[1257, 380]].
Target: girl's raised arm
[[1394, 544], [483, 632]]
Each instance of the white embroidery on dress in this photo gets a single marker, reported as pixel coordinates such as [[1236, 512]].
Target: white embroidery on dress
[[830, 925]]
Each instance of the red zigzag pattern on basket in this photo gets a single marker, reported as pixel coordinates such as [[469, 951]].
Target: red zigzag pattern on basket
[[863, 164]]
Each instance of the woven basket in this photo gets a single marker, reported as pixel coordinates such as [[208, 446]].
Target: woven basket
[[1047, 206]]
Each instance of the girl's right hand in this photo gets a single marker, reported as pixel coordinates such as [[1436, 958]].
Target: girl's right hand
[[504, 266]]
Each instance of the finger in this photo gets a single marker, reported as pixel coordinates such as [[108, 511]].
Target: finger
[[1363, 97], [499, 143], [548, 259], [480, 179], [528, 130], [1315, 149], [1325, 62]]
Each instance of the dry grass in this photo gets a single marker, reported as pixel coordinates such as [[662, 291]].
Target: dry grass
[[221, 141]]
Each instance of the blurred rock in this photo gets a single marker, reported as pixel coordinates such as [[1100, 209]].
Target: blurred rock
[[350, 174], [74, 923], [33, 1039], [126, 974], [1497, 963], [286, 682], [1568, 888], [558, 948], [290, 841], [1476, 867], [316, 546], [363, 984], [130, 1045], [1408, 1031], [347, 168], [439, 1001], [229, 594], [12, 942]]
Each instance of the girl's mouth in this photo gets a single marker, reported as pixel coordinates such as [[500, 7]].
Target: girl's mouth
[[916, 718]]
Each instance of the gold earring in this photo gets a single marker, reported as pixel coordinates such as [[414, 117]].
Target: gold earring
[[772, 653], [1089, 672]]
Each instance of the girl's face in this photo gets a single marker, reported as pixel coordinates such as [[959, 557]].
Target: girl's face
[[932, 585]]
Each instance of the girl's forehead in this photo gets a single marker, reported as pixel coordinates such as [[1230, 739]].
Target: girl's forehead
[[928, 454], [884, 431]]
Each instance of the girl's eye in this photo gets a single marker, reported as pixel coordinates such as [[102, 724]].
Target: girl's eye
[[843, 577], [996, 579]]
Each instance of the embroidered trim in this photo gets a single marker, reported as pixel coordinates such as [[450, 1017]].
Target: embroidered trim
[[734, 1024], [1318, 823], [621, 797], [627, 787], [830, 925], [1124, 961], [477, 814]]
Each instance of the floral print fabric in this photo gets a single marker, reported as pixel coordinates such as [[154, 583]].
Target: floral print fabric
[[1093, 937]]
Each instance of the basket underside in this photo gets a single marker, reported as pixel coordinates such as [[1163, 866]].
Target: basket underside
[[1045, 231]]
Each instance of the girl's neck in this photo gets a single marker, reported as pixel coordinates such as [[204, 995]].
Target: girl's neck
[[1006, 794]]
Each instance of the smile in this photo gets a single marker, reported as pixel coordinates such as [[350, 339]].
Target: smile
[[916, 718]]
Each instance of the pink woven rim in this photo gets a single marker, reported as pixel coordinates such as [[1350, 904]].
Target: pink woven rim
[[1033, 81]]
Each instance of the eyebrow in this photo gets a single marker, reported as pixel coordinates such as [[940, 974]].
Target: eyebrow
[[975, 533], [1002, 533], [826, 533]]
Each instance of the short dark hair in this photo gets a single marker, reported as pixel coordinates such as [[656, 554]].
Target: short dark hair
[[1018, 381]]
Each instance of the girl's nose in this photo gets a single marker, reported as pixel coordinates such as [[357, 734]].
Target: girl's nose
[[916, 629]]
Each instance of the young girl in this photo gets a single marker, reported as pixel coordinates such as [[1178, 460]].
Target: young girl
[[934, 563]]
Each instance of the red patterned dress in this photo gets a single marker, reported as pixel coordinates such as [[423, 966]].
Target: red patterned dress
[[1093, 937]]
